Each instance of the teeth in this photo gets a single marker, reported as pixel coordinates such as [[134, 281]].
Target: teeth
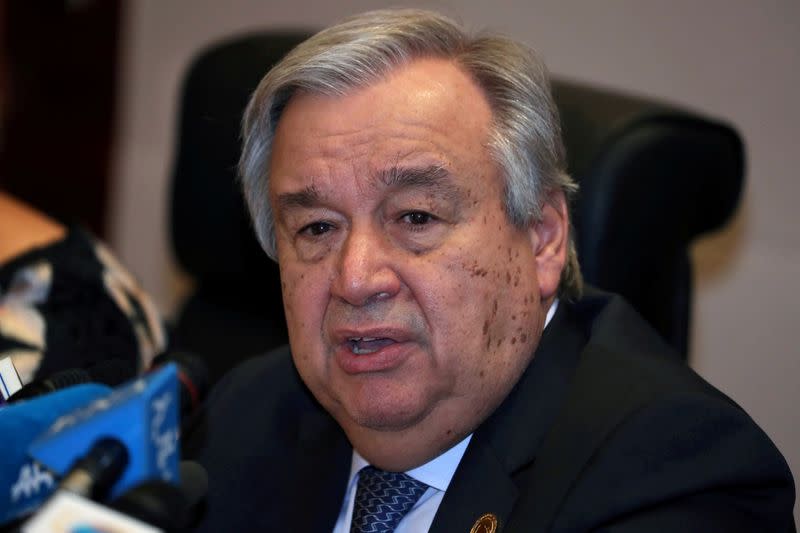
[[362, 351], [367, 345]]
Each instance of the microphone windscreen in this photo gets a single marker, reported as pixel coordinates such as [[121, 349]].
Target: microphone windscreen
[[194, 377], [194, 482], [111, 372], [167, 506], [23, 484], [142, 415]]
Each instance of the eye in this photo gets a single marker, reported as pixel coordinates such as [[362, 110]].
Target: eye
[[417, 218], [316, 229]]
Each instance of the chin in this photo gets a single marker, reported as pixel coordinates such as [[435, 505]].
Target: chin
[[388, 415]]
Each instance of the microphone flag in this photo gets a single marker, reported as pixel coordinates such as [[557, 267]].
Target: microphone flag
[[24, 484], [143, 415]]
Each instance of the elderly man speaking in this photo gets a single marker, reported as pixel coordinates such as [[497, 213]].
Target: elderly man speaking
[[446, 370]]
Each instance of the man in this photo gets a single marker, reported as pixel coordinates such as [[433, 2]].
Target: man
[[409, 180]]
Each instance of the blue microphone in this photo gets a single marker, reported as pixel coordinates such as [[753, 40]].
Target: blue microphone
[[24, 485], [141, 416]]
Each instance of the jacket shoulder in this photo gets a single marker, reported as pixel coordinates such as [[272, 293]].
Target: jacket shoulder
[[643, 442]]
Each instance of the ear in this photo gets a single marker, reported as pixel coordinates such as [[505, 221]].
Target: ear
[[550, 239]]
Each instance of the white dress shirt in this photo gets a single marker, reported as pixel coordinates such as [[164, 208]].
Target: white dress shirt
[[436, 473]]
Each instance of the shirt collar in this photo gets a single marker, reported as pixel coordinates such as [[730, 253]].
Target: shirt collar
[[436, 473]]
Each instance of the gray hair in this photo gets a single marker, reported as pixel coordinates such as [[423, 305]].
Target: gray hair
[[525, 138]]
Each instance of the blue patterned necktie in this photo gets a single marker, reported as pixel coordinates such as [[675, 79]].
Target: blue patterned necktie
[[383, 499]]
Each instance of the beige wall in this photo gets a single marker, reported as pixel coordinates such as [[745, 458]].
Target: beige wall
[[733, 59]]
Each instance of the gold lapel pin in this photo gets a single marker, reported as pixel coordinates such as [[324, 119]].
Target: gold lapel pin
[[485, 524]]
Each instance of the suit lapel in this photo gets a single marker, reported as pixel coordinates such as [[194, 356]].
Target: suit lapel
[[509, 439], [479, 486], [322, 459]]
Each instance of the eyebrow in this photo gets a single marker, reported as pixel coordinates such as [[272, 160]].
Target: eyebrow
[[434, 178], [398, 177], [308, 197]]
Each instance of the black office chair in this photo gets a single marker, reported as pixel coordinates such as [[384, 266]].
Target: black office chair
[[652, 179]]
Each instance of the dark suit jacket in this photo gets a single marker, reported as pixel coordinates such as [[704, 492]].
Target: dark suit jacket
[[607, 430]]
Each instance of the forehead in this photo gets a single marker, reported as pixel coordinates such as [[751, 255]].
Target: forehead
[[427, 113]]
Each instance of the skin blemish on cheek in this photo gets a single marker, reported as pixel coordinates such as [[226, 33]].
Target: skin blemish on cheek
[[482, 373], [508, 277], [474, 270], [523, 338], [485, 328], [499, 342], [513, 340]]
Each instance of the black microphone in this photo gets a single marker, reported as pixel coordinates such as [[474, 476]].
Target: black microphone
[[93, 475], [193, 376], [111, 372], [164, 505]]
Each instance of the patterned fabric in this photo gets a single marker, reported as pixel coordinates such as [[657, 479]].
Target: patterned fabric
[[383, 499], [71, 304]]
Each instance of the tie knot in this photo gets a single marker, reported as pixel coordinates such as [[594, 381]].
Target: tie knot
[[383, 499]]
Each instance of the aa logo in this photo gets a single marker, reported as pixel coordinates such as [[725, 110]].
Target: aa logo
[[30, 482]]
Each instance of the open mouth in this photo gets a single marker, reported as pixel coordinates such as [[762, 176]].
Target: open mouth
[[367, 345]]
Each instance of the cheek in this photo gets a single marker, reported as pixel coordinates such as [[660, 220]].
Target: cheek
[[303, 301], [493, 321], [303, 304], [513, 322]]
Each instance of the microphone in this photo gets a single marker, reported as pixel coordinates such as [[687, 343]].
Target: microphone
[[93, 474], [111, 372], [149, 507], [194, 482], [167, 506], [142, 416], [194, 379], [71, 513], [24, 485]]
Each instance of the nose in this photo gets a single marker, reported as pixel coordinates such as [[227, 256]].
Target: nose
[[365, 271]]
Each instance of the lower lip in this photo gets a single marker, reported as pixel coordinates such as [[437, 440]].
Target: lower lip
[[387, 358]]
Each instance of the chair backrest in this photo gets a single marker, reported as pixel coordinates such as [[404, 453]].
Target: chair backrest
[[652, 179]]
